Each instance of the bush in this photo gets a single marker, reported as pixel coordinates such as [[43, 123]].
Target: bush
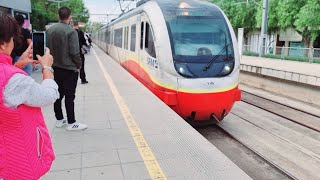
[[290, 58]]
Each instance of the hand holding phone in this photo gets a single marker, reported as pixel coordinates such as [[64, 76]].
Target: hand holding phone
[[39, 44], [25, 58], [46, 59]]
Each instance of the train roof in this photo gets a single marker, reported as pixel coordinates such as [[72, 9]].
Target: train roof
[[169, 6]]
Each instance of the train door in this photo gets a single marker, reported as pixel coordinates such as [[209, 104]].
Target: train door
[[142, 54], [140, 38], [148, 56]]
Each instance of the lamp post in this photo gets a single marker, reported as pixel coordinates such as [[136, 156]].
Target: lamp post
[[58, 1], [264, 24], [264, 27]]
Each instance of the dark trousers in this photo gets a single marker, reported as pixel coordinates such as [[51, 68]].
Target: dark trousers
[[82, 73], [67, 82]]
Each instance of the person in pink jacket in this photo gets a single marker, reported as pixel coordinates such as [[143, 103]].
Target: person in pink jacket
[[25, 146]]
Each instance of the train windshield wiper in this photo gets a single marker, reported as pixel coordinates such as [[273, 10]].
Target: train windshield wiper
[[214, 59]]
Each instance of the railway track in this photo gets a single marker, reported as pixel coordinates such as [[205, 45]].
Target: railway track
[[298, 116], [268, 161], [249, 160], [284, 137]]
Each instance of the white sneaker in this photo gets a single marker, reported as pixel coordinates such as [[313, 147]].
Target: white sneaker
[[61, 123], [76, 127]]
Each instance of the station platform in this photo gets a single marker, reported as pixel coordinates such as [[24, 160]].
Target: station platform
[[131, 134], [300, 72], [292, 79]]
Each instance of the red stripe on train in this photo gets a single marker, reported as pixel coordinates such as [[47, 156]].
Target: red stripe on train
[[194, 106]]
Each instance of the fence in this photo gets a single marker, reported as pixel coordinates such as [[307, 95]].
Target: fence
[[311, 55]]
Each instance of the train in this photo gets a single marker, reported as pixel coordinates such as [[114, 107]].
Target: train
[[184, 51]]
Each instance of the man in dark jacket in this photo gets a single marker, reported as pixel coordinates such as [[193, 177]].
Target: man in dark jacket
[[64, 45], [82, 44]]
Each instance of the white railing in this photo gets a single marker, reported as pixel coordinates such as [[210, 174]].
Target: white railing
[[311, 55]]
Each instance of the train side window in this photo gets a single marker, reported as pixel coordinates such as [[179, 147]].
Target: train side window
[[118, 37], [105, 35], [112, 38], [133, 38], [142, 33], [108, 37], [126, 37], [149, 42]]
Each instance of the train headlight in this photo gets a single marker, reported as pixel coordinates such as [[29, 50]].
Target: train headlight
[[183, 70], [226, 69]]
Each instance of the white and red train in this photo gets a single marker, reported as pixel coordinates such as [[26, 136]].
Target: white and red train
[[184, 51]]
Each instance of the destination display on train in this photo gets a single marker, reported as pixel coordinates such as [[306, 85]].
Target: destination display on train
[[192, 12]]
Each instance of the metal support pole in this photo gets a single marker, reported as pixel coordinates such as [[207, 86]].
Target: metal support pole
[[264, 27]]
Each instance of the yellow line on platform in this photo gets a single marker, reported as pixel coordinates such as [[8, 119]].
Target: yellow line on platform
[[146, 153]]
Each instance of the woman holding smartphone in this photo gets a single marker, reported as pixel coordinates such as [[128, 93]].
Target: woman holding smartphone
[[25, 146]]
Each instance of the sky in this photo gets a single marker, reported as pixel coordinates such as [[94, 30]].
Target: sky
[[106, 7]]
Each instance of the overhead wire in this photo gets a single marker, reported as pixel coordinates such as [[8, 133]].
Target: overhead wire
[[129, 4]]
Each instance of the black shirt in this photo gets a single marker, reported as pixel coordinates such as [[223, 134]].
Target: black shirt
[[82, 40], [20, 48]]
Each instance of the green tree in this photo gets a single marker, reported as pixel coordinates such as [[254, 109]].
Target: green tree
[[287, 12], [273, 18], [240, 15], [307, 21], [79, 11], [44, 11], [92, 27], [302, 15]]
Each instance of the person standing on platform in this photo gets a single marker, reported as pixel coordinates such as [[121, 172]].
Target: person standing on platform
[[21, 44], [82, 46], [64, 44], [88, 41]]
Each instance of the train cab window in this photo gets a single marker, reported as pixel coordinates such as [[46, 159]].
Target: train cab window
[[149, 42], [118, 37], [126, 37], [141, 35], [133, 38], [200, 39]]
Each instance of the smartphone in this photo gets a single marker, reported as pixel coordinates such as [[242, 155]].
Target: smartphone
[[39, 44]]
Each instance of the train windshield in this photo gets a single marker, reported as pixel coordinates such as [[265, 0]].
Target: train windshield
[[200, 39], [194, 36]]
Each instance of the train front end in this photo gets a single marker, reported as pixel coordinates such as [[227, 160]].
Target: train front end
[[206, 59]]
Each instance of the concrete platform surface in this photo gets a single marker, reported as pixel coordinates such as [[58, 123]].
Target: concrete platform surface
[[131, 134], [301, 72]]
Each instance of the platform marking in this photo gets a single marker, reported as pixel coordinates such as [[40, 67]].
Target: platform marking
[[146, 153]]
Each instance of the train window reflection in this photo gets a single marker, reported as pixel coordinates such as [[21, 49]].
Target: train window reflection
[[133, 38], [118, 37], [126, 37], [108, 37], [141, 35], [149, 42], [199, 36]]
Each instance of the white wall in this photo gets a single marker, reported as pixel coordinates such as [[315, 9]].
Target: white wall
[[21, 5], [252, 41]]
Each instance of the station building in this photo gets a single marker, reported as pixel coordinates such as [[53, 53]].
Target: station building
[[15, 7]]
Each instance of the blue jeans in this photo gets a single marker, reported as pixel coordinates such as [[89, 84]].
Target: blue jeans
[[28, 68]]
